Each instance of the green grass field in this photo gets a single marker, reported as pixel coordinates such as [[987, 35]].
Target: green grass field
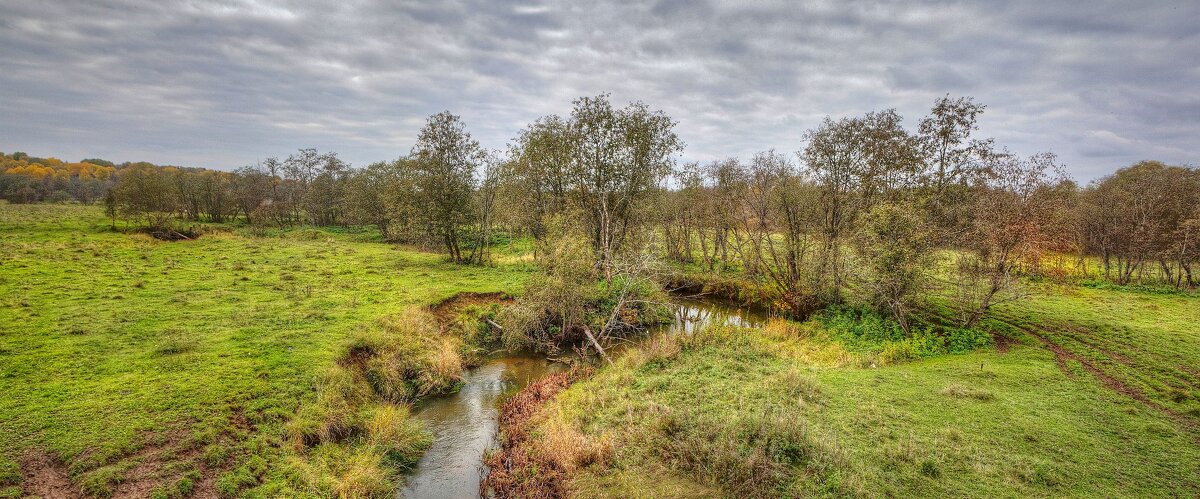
[[1089, 393], [132, 367], [114, 344]]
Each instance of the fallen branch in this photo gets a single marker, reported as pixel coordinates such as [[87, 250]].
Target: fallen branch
[[588, 332]]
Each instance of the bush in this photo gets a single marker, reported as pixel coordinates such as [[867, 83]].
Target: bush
[[523, 326]]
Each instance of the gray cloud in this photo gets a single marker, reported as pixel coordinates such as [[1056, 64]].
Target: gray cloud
[[221, 83]]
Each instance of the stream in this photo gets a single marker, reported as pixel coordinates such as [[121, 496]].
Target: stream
[[464, 423]]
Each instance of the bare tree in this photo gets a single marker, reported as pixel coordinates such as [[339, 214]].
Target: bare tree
[[1010, 221]]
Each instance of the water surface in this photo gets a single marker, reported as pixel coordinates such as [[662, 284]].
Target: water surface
[[464, 426]]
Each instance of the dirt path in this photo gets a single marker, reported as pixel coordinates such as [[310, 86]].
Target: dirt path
[[46, 477]]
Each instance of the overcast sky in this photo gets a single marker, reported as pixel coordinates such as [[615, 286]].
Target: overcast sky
[[227, 83]]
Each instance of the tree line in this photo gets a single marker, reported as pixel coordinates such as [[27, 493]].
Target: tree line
[[29, 179], [866, 204]]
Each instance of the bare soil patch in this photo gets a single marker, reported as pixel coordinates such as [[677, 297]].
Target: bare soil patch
[[46, 476], [444, 310]]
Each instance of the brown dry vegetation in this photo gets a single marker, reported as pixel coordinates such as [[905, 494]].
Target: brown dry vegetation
[[522, 468]]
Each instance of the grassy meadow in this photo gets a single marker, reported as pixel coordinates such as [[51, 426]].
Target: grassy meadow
[[282, 365], [132, 366], [1084, 392]]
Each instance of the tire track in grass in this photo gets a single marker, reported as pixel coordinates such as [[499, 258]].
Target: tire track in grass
[[1061, 355]]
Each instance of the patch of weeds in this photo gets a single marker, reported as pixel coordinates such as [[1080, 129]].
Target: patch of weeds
[[1139, 288], [1039, 474], [244, 476], [101, 481], [1160, 429], [216, 454], [10, 472], [178, 488], [174, 342], [233, 481], [930, 468], [798, 385], [965, 392], [866, 331]]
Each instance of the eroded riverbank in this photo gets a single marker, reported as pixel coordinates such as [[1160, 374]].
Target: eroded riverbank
[[464, 424]]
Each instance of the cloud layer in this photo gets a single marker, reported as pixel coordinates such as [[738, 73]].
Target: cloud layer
[[226, 83]]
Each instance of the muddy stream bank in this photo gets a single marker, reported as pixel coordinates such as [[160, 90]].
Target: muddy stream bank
[[464, 423]]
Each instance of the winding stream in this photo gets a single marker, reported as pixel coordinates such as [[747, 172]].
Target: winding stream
[[464, 423]]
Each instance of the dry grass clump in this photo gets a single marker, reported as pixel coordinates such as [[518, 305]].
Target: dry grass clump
[[333, 417], [566, 448], [656, 352], [444, 368], [519, 468], [336, 471], [175, 341], [752, 456], [405, 356], [363, 475], [400, 438]]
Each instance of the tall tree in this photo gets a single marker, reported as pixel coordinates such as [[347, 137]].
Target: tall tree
[[445, 160], [617, 157], [854, 162]]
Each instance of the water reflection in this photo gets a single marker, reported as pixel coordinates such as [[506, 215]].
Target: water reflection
[[464, 426], [692, 314]]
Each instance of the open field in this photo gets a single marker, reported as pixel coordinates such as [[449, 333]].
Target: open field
[[134, 367], [1088, 393], [116, 348]]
